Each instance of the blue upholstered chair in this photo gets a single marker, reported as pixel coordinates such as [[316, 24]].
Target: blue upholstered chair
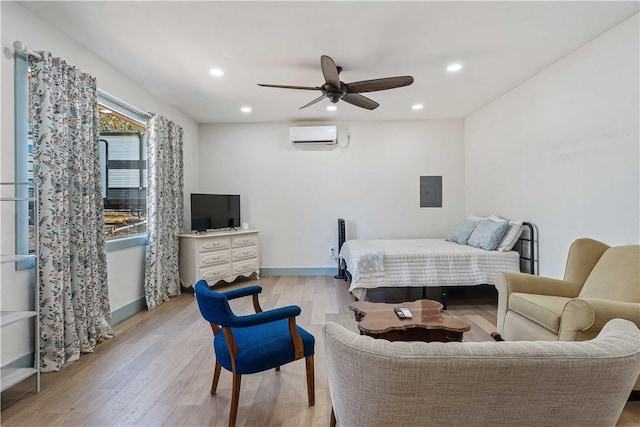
[[253, 343]]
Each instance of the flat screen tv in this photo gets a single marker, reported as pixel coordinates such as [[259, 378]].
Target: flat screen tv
[[214, 211]]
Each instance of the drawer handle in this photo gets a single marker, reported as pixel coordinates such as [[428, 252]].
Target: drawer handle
[[212, 245]]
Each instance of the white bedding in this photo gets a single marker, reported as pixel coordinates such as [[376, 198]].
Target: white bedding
[[422, 262]]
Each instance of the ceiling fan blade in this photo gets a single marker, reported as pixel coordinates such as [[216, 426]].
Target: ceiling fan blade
[[379, 84], [312, 102], [360, 101], [292, 87], [330, 71]]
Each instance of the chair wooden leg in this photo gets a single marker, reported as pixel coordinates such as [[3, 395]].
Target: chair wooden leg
[[332, 421], [496, 336], [216, 377], [235, 397], [311, 387]]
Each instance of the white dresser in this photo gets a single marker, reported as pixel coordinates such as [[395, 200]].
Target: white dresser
[[218, 255]]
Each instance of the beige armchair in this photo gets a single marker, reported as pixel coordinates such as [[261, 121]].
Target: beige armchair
[[600, 283]]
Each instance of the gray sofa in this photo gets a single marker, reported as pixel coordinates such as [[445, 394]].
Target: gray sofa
[[375, 382]]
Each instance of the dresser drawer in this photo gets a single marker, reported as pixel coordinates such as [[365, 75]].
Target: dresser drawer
[[214, 244], [239, 241], [214, 274], [243, 253], [244, 266], [213, 258]]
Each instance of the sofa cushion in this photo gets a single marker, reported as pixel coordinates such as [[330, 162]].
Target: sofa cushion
[[544, 310], [616, 276]]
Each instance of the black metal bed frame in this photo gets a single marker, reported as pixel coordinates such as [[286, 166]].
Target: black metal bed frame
[[524, 242], [531, 243], [525, 246]]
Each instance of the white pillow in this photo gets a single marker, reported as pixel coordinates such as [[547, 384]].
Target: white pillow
[[511, 236]]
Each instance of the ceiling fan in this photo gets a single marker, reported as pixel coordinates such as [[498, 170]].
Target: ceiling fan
[[335, 90]]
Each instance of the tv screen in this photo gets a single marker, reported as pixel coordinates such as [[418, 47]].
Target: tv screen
[[214, 211]]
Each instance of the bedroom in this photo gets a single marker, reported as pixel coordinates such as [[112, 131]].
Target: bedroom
[[559, 150]]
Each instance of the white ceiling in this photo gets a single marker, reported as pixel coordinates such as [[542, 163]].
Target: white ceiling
[[168, 47]]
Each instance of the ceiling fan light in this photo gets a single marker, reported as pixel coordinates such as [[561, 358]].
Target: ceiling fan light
[[332, 108], [417, 107], [454, 67], [246, 109]]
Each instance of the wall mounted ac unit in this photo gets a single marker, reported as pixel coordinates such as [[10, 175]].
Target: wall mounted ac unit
[[313, 135]]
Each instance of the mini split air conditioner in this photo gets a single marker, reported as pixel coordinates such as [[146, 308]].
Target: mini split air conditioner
[[313, 135]]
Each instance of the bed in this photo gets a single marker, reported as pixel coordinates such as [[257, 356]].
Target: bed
[[430, 263]]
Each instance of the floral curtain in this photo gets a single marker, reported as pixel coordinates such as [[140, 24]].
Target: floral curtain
[[74, 300], [165, 206]]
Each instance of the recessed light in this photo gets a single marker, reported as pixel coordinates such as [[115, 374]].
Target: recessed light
[[246, 109], [332, 108], [217, 72], [454, 67], [417, 106]]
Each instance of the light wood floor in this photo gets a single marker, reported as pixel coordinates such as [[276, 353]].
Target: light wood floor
[[158, 368]]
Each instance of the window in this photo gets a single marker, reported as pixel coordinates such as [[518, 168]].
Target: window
[[123, 161], [25, 230], [124, 171]]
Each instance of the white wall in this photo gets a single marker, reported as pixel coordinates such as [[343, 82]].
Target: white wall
[[562, 150], [295, 195], [125, 267]]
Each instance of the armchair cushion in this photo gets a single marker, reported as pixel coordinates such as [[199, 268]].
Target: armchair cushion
[[261, 347], [545, 310]]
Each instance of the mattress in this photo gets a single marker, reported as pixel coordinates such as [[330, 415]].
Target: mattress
[[421, 262]]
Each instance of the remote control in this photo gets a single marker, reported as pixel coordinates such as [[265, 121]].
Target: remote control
[[406, 313], [399, 313]]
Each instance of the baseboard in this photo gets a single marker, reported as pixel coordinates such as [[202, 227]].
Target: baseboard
[[116, 316], [128, 310], [311, 271]]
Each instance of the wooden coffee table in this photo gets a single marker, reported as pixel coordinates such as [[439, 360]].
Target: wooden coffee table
[[428, 324]]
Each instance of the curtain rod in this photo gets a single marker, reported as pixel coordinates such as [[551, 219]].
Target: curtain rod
[[124, 104], [22, 48]]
